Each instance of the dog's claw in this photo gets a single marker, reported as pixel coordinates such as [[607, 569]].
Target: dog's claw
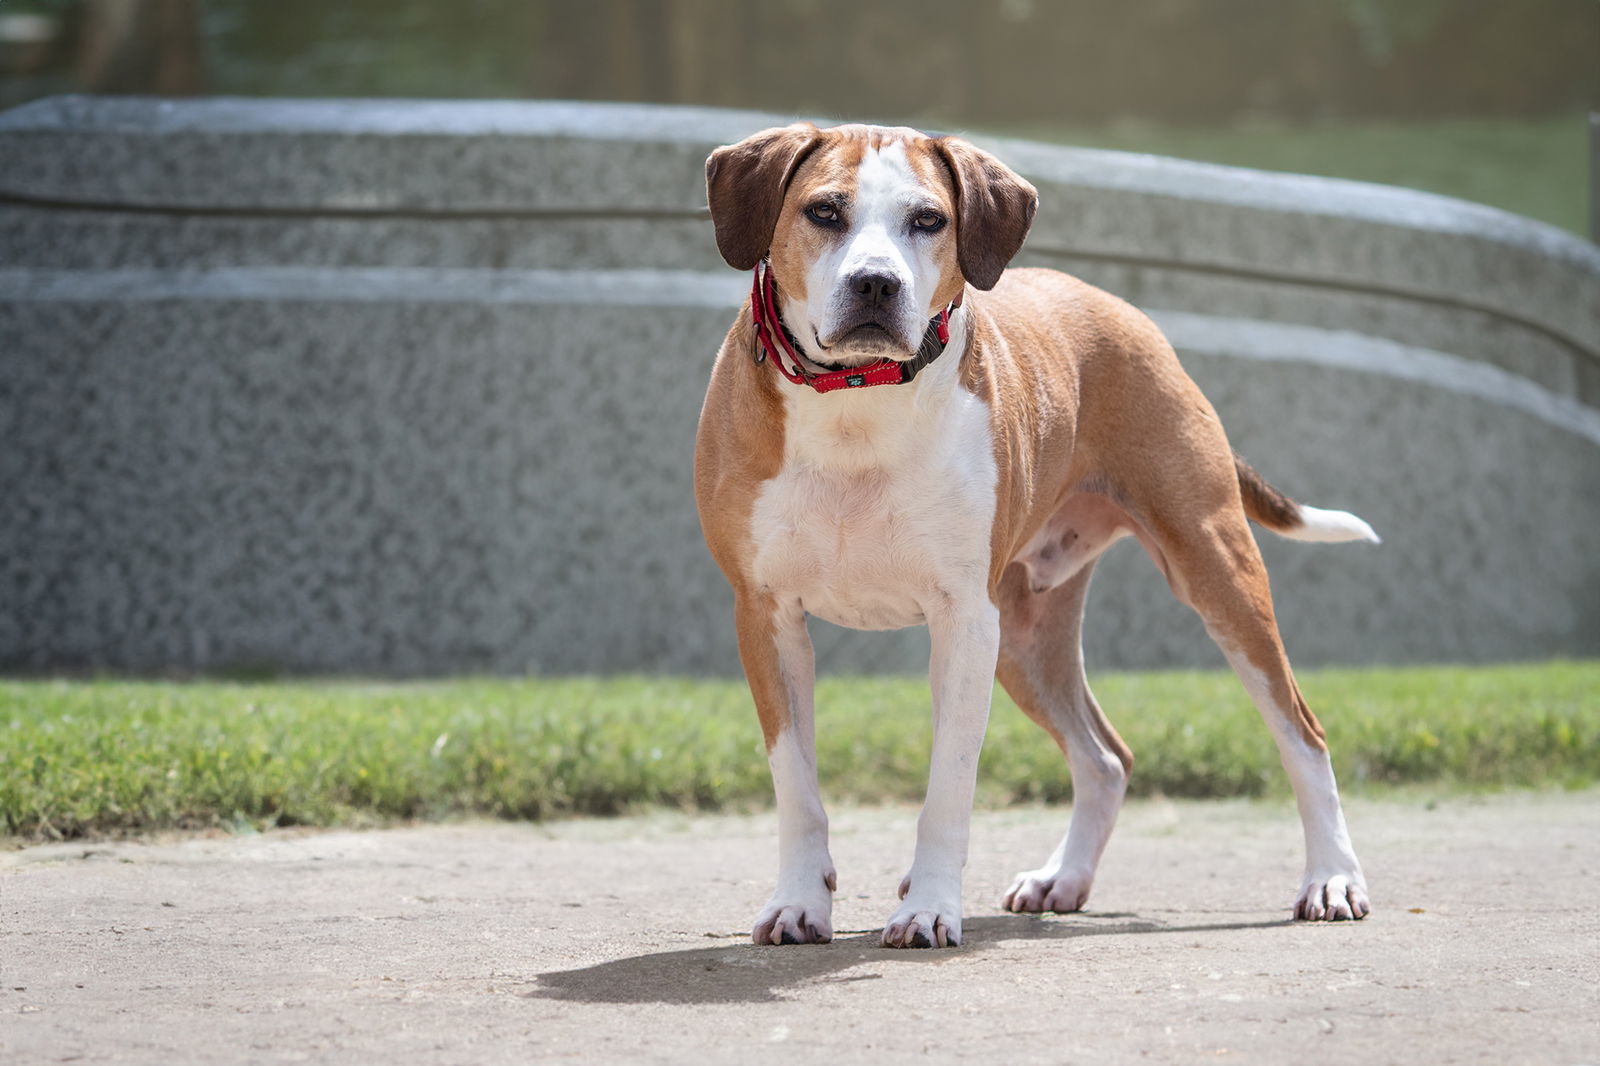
[[1036, 891], [793, 924], [1332, 898], [922, 927]]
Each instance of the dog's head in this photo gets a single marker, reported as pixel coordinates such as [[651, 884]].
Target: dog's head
[[870, 230]]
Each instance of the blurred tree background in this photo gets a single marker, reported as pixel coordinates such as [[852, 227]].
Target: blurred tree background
[[1336, 86]]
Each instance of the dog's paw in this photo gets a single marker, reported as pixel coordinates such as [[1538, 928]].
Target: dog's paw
[[798, 917], [1036, 891], [1326, 897], [924, 923], [794, 923]]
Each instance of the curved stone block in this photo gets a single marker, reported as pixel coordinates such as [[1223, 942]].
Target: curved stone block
[[410, 388]]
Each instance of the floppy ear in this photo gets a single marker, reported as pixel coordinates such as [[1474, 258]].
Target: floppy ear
[[994, 208], [745, 184]]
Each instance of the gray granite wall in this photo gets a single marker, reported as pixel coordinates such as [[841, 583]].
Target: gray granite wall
[[410, 388]]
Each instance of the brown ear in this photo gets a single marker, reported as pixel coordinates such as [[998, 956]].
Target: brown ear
[[745, 184], [994, 208]]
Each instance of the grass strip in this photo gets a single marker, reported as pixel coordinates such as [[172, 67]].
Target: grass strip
[[91, 757]]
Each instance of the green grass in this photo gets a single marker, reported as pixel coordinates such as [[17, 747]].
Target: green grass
[[1534, 167], [109, 756]]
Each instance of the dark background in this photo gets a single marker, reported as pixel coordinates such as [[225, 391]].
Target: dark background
[[969, 61]]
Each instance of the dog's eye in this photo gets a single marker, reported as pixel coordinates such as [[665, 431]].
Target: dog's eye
[[826, 214], [928, 222]]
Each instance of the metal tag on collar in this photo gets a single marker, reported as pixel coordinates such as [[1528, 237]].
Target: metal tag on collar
[[755, 317], [764, 312]]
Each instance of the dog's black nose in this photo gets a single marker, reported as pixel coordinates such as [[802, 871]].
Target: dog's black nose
[[875, 289]]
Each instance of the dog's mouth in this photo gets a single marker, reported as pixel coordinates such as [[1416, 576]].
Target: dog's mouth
[[865, 342]]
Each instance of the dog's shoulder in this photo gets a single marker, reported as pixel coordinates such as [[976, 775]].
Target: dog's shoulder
[[739, 442]]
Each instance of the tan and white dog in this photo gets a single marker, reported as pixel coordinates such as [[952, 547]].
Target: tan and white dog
[[974, 497]]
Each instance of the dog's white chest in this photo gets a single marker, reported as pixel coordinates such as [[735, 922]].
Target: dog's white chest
[[883, 508]]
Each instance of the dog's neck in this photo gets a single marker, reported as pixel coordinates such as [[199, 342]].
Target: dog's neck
[[855, 431]]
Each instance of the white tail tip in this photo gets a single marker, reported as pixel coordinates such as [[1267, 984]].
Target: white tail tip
[[1330, 527]]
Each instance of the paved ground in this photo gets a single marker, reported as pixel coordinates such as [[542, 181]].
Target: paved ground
[[623, 941]]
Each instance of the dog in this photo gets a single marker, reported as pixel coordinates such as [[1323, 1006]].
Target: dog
[[899, 431]]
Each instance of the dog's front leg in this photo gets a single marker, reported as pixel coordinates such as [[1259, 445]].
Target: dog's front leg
[[776, 652], [966, 644]]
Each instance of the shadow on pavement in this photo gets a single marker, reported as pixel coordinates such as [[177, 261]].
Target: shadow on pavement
[[746, 973]]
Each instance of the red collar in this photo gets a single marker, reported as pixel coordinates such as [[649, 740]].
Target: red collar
[[764, 310]]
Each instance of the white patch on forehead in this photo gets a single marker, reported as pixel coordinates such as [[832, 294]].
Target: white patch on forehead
[[885, 178]]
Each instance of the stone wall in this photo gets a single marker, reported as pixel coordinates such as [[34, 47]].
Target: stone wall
[[408, 388]]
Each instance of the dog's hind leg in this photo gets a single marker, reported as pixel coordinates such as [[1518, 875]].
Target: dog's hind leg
[[1041, 666], [1214, 566], [778, 663]]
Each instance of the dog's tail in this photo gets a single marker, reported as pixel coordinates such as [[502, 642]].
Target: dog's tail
[[1268, 507]]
